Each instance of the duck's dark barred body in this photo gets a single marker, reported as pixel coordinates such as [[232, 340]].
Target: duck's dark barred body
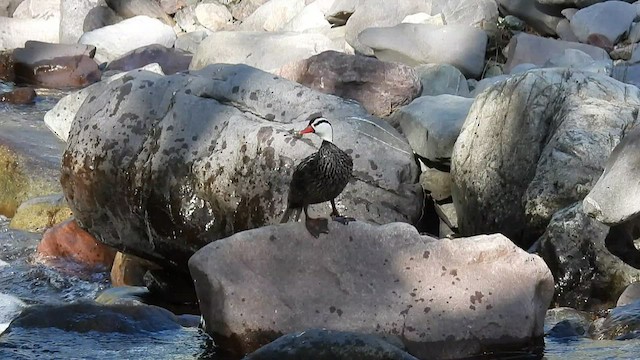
[[320, 177]]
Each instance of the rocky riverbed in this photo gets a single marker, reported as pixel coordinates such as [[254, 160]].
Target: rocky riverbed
[[494, 148]]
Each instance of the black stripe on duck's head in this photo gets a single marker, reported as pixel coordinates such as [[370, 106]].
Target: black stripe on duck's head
[[320, 126]]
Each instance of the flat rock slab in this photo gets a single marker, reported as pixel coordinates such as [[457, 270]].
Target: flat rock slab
[[442, 299]]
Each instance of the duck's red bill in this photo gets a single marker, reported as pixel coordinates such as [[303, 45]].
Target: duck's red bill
[[307, 130]]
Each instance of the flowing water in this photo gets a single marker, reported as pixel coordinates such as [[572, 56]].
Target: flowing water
[[24, 278]]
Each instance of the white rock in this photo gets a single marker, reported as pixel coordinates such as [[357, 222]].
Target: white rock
[[186, 20], [272, 15], [139, 31], [486, 83], [213, 16], [537, 50], [634, 34], [574, 58], [424, 18], [311, 17], [610, 18], [38, 9], [264, 50], [191, 40], [476, 13], [14, 33], [459, 45], [432, 124], [522, 68], [563, 29], [60, 117], [438, 79]]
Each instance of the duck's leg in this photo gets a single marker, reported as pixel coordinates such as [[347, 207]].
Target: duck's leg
[[335, 215], [315, 226]]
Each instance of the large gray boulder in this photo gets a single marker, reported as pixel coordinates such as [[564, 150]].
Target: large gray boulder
[[534, 144], [441, 299], [159, 166], [610, 19], [588, 276]]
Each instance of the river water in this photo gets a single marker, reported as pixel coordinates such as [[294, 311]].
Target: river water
[[23, 277]]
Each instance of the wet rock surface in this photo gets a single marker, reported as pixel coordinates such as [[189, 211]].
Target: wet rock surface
[[323, 344], [263, 283], [162, 166]]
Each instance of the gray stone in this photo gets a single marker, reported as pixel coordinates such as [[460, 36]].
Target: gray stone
[[14, 33], [630, 294], [634, 33], [212, 155], [72, 19], [272, 15], [213, 16], [579, 60], [512, 172], [459, 45], [296, 282], [564, 31], [376, 13], [60, 117], [242, 9], [99, 17], [132, 8], [588, 275], [537, 50], [10, 308], [7, 7], [381, 87], [312, 17], [322, 344], [476, 13], [570, 3], [437, 183], [432, 124], [615, 198], [190, 41], [264, 50], [186, 20], [439, 79], [622, 323], [486, 83], [562, 322], [38, 9], [543, 18], [610, 19], [140, 31]]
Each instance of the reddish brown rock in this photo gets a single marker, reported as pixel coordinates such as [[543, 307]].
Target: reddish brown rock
[[600, 41], [21, 95], [381, 87], [68, 240], [171, 60], [55, 65]]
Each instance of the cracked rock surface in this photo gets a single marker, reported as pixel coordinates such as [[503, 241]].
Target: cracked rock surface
[[159, 166], [535, 144]]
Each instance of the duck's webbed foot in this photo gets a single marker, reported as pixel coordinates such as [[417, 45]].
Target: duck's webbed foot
[[344, 220], [335, 215], [317, 226]]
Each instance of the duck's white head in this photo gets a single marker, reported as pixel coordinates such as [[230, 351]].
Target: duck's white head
[[321, 127]]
